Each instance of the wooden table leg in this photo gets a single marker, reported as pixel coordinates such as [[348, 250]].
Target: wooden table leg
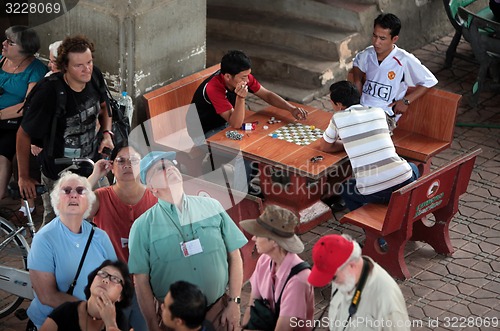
[[296, 193]]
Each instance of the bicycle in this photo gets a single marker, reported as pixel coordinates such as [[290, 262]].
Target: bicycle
[[15, 282]]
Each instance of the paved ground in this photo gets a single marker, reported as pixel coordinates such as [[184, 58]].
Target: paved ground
[[461, 292]]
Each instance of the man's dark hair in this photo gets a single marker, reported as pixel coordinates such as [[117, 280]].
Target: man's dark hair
[[388, 21], [344, 92], [234, 62], [26, 37], [190, 304], [76, 44], [127, 286]]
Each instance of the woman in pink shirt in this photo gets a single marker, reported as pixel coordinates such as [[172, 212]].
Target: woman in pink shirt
[[274, 236]]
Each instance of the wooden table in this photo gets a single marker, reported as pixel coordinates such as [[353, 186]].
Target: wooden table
[[288, 175]]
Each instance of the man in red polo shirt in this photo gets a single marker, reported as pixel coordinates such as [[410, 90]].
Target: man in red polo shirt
[[220, 99]]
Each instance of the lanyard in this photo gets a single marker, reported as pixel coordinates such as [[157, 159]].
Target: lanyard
[[175, 224]]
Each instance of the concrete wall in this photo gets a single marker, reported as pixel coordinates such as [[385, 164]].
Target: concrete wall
[[140, 44], [422, 21]]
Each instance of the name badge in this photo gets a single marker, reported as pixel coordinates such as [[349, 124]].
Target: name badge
[[192, 247]]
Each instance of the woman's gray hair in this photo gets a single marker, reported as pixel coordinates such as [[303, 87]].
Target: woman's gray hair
[[56, 192], [25, 37], [53, 48]]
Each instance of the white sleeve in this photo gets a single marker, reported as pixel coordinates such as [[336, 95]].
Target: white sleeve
[[331, 133], [416, 74], [361, 60]]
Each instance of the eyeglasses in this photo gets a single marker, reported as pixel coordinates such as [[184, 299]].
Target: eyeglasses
[[160, 167], [80, 190], [10, 42], [123, 160], [103, 274]]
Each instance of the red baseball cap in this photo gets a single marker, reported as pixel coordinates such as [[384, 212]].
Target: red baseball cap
[[329, 254]]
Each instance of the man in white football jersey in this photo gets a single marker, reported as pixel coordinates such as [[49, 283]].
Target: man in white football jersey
[[389, 70]]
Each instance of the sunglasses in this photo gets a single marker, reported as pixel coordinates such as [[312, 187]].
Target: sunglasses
[[10, 42], [316, 159], [123, 160], [80, 190], [103, 274]]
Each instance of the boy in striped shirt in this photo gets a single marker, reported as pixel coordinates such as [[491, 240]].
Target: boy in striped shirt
[[364, 134]]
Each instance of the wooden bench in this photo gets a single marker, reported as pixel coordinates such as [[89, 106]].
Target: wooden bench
[[166, 107], [238, 205], [451, 7], [427, 127], [403, 219]]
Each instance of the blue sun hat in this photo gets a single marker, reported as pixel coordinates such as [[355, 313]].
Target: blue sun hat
[[151, 158]]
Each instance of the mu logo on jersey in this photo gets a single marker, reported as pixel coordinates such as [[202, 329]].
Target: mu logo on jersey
[[377, 90]]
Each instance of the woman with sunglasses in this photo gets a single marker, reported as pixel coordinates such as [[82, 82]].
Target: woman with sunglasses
[[118, 206], [109, 289], [58, 247], [19, 72]]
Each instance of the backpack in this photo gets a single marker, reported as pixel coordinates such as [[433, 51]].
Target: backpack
[[120, 124]]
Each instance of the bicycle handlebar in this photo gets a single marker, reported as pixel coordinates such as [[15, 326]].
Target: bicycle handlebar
[[15, 193], [67, 160]]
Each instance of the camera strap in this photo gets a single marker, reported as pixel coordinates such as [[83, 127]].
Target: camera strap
[[73, 283], [356, 298]]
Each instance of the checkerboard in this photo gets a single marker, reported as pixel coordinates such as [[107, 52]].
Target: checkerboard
[[297, 133]]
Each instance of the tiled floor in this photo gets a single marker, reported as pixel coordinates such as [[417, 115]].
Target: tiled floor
[[444, 293]]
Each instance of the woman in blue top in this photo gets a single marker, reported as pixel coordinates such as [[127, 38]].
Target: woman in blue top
[[57, 249], [19, 72]]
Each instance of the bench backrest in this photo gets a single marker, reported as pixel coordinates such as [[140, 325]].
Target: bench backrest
[[429, 193], [432, 115], [172, 96]]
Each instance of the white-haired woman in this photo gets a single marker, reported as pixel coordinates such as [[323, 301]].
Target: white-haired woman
[[58, 247], [52, 57]]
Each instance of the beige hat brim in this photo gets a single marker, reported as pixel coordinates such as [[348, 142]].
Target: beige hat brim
[[292, 244]]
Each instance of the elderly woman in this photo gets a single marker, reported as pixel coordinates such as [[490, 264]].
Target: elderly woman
[[58, 247], [109, 290], [52, 57], [273, 233], [19, 72]]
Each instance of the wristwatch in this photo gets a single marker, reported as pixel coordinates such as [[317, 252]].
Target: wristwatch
[[406, 101], [236, 299], [109, 132]]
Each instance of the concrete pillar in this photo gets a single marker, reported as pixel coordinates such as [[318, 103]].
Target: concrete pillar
[[140, 44]]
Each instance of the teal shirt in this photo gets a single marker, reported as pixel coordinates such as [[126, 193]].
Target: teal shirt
[[16, 85], [155, 249]]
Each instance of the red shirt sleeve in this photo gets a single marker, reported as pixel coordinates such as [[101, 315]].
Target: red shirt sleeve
[[253, 84], [216, 92]]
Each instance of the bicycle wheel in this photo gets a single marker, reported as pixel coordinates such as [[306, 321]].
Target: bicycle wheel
[[13, 255]]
